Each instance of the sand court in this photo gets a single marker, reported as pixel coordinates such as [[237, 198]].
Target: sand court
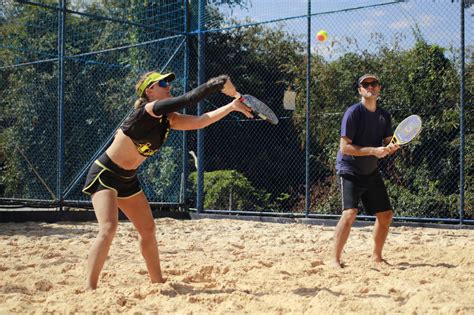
[[235, 267]]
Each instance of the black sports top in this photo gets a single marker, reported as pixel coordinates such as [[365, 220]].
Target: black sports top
[[148, 132]]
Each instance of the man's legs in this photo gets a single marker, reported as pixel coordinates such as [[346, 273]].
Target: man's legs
[[381, 227], [341, 234]]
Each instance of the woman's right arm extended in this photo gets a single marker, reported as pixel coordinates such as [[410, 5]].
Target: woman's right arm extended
[[189, 122]]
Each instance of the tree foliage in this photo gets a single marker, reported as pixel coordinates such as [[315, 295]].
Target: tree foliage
[[256, 165], [419, 80]]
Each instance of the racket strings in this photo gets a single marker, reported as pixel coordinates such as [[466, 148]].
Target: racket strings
[[262, 110], [407, 130]]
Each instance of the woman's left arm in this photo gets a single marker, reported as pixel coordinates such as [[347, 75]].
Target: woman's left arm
[[188, 122]]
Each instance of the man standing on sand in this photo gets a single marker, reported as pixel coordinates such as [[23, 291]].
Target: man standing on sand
[[365, 130]]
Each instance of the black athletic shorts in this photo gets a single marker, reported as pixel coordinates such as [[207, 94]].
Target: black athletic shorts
[[370, 189], [105, 174]]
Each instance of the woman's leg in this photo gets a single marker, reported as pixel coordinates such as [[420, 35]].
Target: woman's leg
[[138, 211], [106, 211]]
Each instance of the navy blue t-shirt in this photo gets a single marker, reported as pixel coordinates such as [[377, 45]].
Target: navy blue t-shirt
[[365, 129]]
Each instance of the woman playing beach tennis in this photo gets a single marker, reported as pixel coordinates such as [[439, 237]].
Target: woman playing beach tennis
[[112, 179]]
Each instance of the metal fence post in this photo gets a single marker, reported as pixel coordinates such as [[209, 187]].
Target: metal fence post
[[60, 152], [200, 132], [185, 88], [308, 108], [461, 120]]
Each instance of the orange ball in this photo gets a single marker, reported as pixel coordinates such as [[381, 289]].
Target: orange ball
[[322, 36]]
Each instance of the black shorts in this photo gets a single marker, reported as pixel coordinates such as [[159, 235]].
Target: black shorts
[[368, 188], [105, 174]]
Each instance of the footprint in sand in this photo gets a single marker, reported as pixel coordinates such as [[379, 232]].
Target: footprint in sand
[[265, 263], [50, 255], [43, 285], [239, 246], [20, 268], [364, 290], [13, 288], [203, 275], [316, 263]]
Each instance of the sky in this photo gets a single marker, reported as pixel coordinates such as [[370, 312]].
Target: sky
[[438, 21]]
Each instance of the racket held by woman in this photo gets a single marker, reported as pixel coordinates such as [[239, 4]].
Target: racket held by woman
[[258, 107]]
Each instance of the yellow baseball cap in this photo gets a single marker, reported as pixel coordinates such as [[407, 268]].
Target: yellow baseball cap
[[152, 78]]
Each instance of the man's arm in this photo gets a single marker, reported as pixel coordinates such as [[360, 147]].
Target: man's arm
[[347, 148]]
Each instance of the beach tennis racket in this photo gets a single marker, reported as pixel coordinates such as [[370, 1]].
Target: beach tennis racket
[[407, 130], [258, 107]]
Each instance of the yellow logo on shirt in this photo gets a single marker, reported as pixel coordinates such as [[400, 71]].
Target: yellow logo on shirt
[[145, 149]]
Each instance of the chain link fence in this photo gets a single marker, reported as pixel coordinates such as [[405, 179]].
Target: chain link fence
[[59, 112]]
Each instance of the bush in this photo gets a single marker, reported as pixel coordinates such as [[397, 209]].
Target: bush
[[229, 189]]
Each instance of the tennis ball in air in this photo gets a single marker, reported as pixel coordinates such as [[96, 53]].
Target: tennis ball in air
[[322, 36]]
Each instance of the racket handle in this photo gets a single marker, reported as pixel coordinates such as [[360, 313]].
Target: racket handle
[[394, 140]]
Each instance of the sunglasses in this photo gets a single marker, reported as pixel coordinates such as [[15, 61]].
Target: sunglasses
[[161, 83], [367, 84]]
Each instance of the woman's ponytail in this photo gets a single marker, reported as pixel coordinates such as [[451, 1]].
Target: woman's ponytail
[[140, 102]]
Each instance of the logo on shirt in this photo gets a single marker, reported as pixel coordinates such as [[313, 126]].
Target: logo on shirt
[[145, 149]]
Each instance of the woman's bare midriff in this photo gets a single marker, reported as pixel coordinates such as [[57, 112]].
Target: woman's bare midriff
[[123, 152]]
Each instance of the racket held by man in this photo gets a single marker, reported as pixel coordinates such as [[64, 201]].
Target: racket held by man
[[407, 130]]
